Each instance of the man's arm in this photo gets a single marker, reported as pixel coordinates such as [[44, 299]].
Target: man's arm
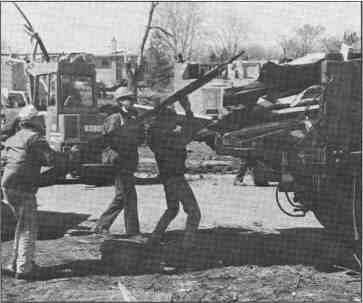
[[187, 130], [41, 150], [109, 129], [9, 129]]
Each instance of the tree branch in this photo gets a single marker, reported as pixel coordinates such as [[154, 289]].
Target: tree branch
[[164, 31], [133, 76], [146, 34]]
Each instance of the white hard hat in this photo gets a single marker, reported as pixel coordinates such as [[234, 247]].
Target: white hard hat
[[123, 93], [28, 113]]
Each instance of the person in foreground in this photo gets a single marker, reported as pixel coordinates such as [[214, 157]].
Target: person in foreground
[[25, 152], [168, 140]]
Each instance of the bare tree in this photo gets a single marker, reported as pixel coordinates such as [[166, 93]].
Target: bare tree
[[305, 39], [230, 36], [351, 37], [289, 47], [134, 71], [179, 26], [331, 44], [308, 38]]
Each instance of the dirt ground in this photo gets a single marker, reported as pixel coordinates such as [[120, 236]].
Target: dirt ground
[[247, 250]]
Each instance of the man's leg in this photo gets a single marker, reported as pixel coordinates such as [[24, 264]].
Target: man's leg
[[113, 210], [131, 215], [13, 201], [27, 236], [191, 208], [170, 187], [241, 173], [25, 233]]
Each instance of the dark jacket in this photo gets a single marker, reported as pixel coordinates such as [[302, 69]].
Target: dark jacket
[[25, 153], [123, 135], [9, 129], [169, 147]]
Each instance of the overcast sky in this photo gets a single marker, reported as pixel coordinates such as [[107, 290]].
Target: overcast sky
[[87, 26]]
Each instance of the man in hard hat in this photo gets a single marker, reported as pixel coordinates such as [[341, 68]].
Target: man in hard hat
[[168, 140], [25, 152], [122, 137]]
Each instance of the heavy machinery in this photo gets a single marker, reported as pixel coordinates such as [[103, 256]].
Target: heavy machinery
[[323, 169], [64, 92], [301, 124], [315, 154]]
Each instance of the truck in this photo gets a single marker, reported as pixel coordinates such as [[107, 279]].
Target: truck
[[325, 166], [13, 87], [64, 92], [315, 157]]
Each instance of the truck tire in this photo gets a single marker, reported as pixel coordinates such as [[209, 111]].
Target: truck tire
[[260, 175], [335, 209]]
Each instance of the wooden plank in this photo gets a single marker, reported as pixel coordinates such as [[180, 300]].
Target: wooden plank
[[128, 297]]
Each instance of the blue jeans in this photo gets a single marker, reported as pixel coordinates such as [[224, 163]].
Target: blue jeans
[[24, 207], [178, 190], [125, 199]]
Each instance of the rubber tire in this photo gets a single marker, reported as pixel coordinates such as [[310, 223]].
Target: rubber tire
[[260, 176], [334, 210]]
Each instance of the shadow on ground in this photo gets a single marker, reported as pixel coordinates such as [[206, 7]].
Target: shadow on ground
[[51, 225], [216, 248]]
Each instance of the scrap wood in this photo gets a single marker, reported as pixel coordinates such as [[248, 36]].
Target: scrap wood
[[128, 297], [347, 270]]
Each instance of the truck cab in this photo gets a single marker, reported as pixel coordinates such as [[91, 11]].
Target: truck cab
[[64, 92], [11, 103]]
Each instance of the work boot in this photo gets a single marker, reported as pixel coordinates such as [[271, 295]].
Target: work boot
[[34, 274]]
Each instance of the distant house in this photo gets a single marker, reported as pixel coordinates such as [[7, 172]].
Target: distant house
[[13, 76], [111, 68]]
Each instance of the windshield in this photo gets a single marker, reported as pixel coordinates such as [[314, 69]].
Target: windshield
[[14, 100], [76, 91]]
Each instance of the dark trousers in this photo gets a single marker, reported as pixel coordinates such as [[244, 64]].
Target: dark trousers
[[125, 199], [178, 190]]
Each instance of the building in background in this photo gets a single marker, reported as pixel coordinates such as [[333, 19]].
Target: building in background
[[13, 76], [111, 68]]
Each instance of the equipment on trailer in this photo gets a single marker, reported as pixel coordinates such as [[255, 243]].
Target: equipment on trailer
[[325, 165]]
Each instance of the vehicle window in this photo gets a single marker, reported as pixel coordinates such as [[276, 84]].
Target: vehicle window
[[52, 90], [76, 91], [15, 101], [43, 92]]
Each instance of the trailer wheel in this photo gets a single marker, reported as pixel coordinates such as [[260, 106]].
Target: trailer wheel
[[338, 213], [260, 175]]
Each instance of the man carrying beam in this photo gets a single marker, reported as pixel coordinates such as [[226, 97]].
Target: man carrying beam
[[168, 141]]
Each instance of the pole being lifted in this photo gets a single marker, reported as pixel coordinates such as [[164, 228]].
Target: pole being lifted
[[29, 29], [186, 90]]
